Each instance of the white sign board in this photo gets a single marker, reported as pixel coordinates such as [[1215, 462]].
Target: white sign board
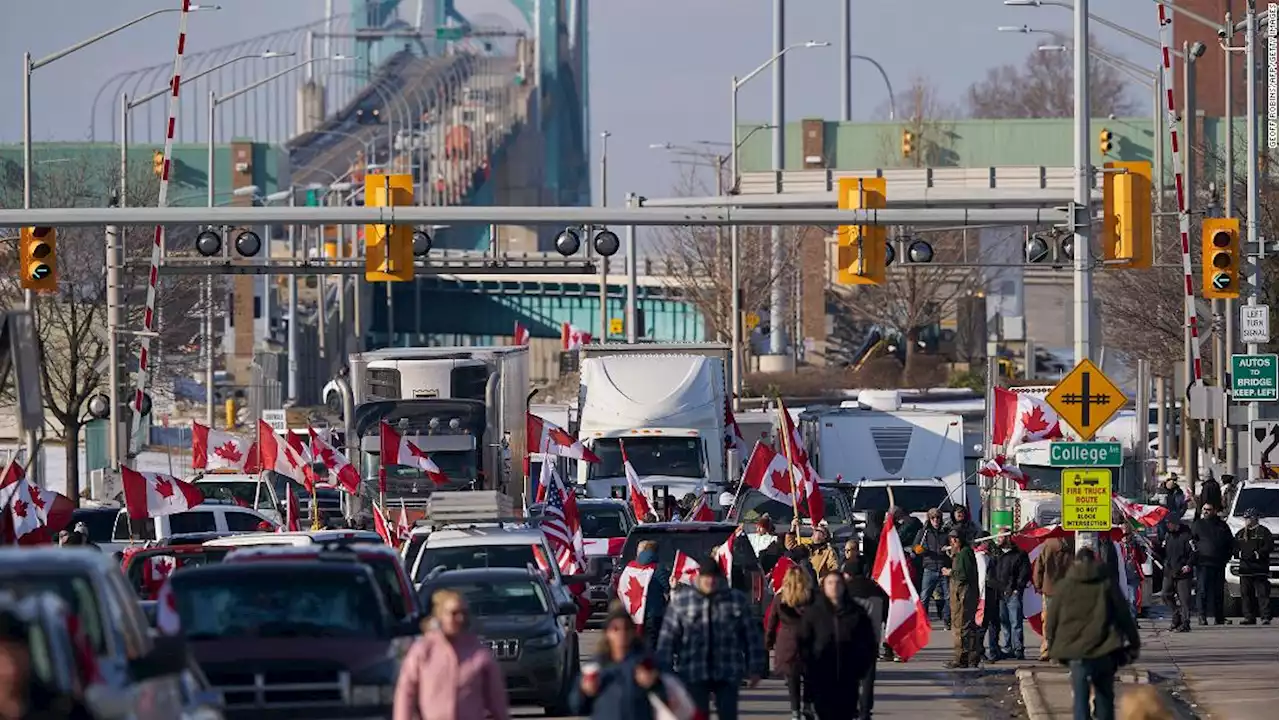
[[277, 419], [1264, 444], [1255, 324]]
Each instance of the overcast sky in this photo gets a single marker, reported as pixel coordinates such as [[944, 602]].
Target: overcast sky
[[660, 68]]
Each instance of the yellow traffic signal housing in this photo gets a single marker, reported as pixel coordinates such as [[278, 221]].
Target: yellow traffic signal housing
[[38, 259], [1220, 258], [1104, 141], [157, 163], [1126, 215], [908, 143], [861, 249], [388, 249]]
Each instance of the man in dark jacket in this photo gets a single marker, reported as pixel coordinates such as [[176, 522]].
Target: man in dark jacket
[[963, 572], [1013, 574], [712, 641], [1179, 564], [875, 601], [1214, 547], [1049, 569], [960, 521], [1254, 546], [1092, 631], [1210, 493], [931, 544], [837, 643], [1174, 498]]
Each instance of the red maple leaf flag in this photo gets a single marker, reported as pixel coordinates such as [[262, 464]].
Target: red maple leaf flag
[[149, 494], [999, 466], [521, 334], [733, 439], [405, 451], [551, 439], [684, 569], [808, 477], [217, 450], [342, 472], [767, 472], [906, 625], [279, 456], [572, 338], [633, 587], [1021, 417], [382, 527], [292, 513], [29, 514], [779, 572], [701, 511], [19, 508], [635, 491]]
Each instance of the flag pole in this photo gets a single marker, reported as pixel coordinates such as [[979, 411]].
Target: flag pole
[[785, 431], [315, 508]]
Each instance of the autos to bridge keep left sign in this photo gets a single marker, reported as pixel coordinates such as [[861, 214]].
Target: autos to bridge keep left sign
[[1086, 499]]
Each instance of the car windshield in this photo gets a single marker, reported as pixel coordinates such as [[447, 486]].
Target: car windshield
[[671, 456], [386, 572], [754, 503], [1266, 500], [921, 498], [457, 465], [239, 492], [602, 522], [279, 604], [508, 597], [470, 557], [76, 591]]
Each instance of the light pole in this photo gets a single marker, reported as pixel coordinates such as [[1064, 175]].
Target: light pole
[[884, 76], [734, 254], [210, 179], [604, 261]]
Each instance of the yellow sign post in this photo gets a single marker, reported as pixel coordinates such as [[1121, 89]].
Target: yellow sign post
[[751, 320], [1086, 399], [1086, 499]]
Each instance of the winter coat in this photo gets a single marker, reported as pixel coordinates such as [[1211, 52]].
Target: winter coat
[[967, 527], [711, 637], [1178, 552], [964, 581], [1254, 546], [1211, 494], [1089, 620], [657, 595], [871, 534], [618, 696], [1109, 559], [1214, 542], [1176, 501], [838, 646], [769, 555], [443, 679], [821, 556], [780, 635], [933, 543], [1052, 565], [1013, 571], [909, 530]]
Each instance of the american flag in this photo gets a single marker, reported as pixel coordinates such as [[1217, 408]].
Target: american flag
[[561, 522]]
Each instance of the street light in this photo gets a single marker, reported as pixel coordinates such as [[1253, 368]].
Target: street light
[[885, 76], [735, 301]]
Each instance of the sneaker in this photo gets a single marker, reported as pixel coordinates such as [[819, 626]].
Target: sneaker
[[946, 625], [1250, 621], [955, 665], [1203, 622]]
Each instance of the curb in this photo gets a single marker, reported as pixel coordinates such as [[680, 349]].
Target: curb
[[1033, 700]]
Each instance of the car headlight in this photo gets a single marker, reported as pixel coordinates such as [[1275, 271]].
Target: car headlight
[[544, 642]]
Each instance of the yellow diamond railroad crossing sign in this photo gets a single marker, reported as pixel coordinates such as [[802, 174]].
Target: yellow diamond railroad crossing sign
[[1086, 499], [1086, 399]]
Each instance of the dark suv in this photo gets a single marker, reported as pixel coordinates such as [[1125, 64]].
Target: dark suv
[[287, 639], [515, 612]]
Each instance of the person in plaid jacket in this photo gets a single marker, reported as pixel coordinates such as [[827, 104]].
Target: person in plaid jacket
[[712, 641]]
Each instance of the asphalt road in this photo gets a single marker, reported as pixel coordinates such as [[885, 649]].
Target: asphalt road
[[904, 691]]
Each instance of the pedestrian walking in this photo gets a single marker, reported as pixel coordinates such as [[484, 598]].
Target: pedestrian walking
[[1214, 546], [1093, 632], [875, 601], [1175, 499], [964, 602], [448, 674], [618, 685], [839, 646], [657, 594], [1132, 556], [1254, 545], [711, 640], [1179, 563], [821, 555], [1013, 575], [1049, 568], [930, 545], [989, 624], [785, 618]]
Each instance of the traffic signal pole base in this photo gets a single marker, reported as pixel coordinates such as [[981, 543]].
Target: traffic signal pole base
[[777, 363]]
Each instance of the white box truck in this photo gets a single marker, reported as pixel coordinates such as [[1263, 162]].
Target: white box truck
[[665, 404]]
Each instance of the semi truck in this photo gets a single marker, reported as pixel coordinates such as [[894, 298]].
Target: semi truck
[[464, 406], [664, 405]]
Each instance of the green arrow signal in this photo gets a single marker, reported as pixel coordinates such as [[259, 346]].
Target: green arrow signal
[[1221, 281], [41, 271]]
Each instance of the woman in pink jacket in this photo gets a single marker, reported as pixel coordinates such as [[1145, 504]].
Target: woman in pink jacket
[[449, 674]]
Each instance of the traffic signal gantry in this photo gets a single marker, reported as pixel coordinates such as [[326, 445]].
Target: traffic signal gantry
[[1220, 258], [1105, 141], [390, 249], [862, 251], [1127, 239], [38, 259]]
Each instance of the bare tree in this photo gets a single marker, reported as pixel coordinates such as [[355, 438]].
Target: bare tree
[[72, 323], [927, 117], [1042, 87]]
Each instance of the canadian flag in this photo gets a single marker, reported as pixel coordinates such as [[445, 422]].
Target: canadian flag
[[343, 474], [521, 334], [906, 623], [982, 561], [292, 513], [1144, 515], [723, 553], [551, 439], [1020, 418], [280, 456], [684, 569], [31, 508], [635, 493], [633, 587], [779, 573], [382, 527], [572, 338], [1000, 467], [404, 528], [216, 450], [149, 494], [767, 472], [399, 450], [603, 547], [168, 621], [793, 444], [733, 439], [701, 511]]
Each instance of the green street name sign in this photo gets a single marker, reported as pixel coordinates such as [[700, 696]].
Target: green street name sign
[[1253, 377], [450, 33], [1085, 454]]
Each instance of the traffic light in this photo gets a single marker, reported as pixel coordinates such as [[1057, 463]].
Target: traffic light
[[388, 249], [1126, 215], [157, 163], [1104, 142], [1220, 258], [861, 250], [908, 143], [38, 259]]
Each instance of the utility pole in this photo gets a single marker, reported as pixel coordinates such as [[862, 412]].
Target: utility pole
[[846, 52], [735, 281], [632, 263], [604, 261], [1082, 262], [113, 344], [293, 309], [1254, 253], [1228, 210], [777, 287], [1187, 448]]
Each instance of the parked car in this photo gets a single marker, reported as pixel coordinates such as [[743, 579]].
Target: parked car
[[514, 612], [202, 518]]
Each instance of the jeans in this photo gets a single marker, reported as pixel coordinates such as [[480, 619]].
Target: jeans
[[1131, 594], [725, 695], [933, 579], [1100, 675], [795, 690], [1011, 626], [867, 693]]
